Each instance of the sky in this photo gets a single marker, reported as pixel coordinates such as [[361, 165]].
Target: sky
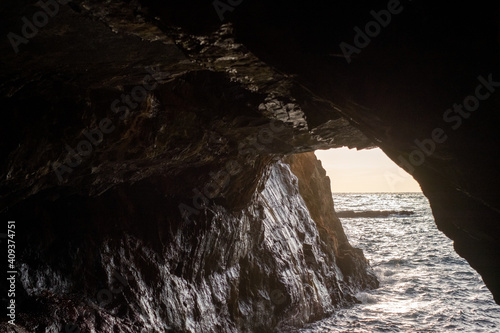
[[352, 170]]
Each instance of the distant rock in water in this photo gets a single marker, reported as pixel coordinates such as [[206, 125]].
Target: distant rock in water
[[373, 213]]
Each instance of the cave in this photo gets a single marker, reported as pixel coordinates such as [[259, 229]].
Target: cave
[[158, 158]]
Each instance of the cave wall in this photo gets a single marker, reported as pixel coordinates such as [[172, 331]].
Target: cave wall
[[181, 216], [127, 261]]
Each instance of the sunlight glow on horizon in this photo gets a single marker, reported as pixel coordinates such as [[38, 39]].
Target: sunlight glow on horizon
[[352, 170]]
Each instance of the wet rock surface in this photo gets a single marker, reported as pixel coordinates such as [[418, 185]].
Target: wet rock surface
[[143, 150], [142, 268], [148, 191]]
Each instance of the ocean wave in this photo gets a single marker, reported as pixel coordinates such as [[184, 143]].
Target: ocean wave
[[374, 213], [424, 285], [365, 298]]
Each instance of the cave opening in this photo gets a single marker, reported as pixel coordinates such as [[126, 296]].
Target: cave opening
[[368, 170], [383, 212]]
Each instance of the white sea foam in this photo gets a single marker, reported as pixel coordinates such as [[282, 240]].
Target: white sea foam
[[424, 285]]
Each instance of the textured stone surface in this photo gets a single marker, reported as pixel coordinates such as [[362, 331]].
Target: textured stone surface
[[126, 261]]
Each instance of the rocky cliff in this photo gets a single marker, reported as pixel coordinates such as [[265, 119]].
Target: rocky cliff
[[125, 261], [149, 152]]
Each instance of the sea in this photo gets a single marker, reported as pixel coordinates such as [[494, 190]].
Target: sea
[[424, 285]]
